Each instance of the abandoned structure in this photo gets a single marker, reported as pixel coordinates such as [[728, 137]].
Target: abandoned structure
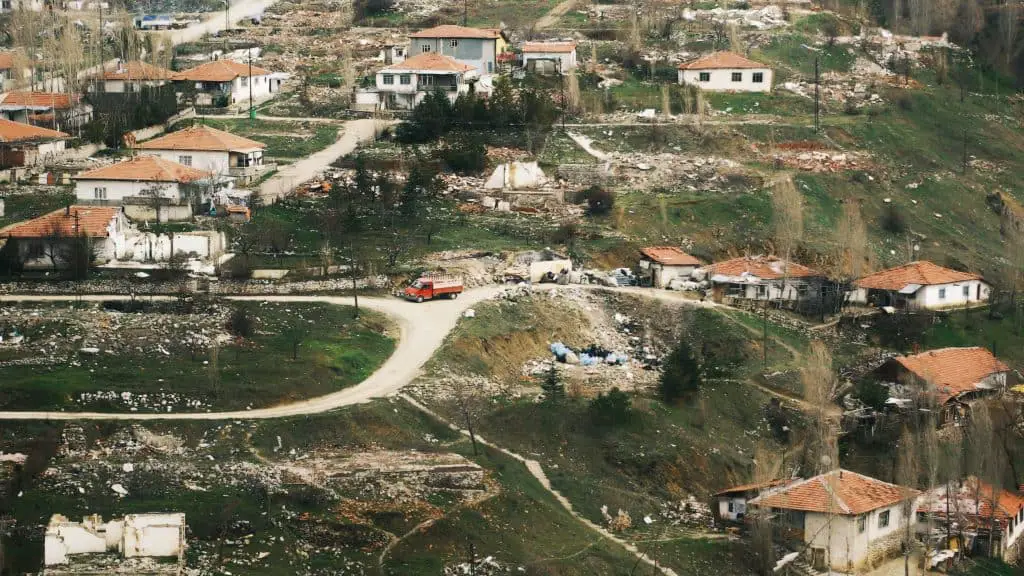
[[214, 151], [949, 378], [93, 546], [50, 241], [764, 278], [27, 145], [549, 56], [920, 285], [726, 72], [845, 520], [732, 502], [149, 187], [660, 265], [979, 511]]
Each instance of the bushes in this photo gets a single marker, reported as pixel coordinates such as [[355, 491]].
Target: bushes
[[115, 114], [599, 201], [681, 377], [467, 155], [611, 409], [893, 221], [240, 323]]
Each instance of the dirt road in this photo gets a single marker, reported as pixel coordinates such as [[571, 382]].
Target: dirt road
[[214, 21], [554, 14], [423, 328], [355, 132]]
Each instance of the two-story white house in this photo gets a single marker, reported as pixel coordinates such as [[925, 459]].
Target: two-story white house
[[229, 79], [210, 150], [920, 285], [478, 47], [126, 77], [847, 521], [402, 86], [149, 188], [726, 72]]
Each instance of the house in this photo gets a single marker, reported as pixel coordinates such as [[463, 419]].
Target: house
[[12, 69], [846, 521], [49, 242], [27, 145], [149, 187], [402, 86], [558, 56], [726, 72], [211, 150], [51, 109], [659, 265], [952, 377], [80, 547], [920, 285], [763, 278], [974, 510], [732, 502], [227, 81], [130, 77], [478, 47]]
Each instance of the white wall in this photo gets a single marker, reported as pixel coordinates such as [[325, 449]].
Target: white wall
[[849, 547], [953, 295], [216, 162], [118, 190], [739, 506], [567, 60], [721, 80], [663, 275], [240, 88], [776, 291], [157, 535]]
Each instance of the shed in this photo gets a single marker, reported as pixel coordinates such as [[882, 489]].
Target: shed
[[659, 265]]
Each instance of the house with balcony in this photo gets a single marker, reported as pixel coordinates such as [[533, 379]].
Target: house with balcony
[[402, 86], [478, 47], [214, 151], [228, 82], [127, 77]]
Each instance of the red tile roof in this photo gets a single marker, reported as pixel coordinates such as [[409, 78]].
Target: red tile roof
[[452, 31], [219, 71], [669, 256], [18, 132], [972, 500], [839, 492], [923, 272], [201, 138], [549, 47], [91, 221], [721, 60], [145, 169], [763, 267], [6, 60], [743, 488], [53, 100], [136, 70], [953, 371], [430, 61]]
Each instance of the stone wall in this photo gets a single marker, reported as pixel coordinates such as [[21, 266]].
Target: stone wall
[[884, 548]]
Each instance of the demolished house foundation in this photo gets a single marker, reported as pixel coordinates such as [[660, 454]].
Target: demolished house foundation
[[130, 545]]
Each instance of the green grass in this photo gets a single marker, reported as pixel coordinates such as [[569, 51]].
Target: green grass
[[283, 139], [335, 352], [18, 207], [788, 51], [513, 14]]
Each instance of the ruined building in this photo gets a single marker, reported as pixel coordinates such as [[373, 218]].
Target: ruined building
[[136, 544]]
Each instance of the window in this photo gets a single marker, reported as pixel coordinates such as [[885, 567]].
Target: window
[[245, 81], [731, 507], [922, 517], [942, 293], [862, 522], [405, 79], [99, 193], [453, 43], [490, 66], [737, 76], [185, 160], [427, 80], [425, 48], [758, 77], [883, 519], [389, 79], [705, 76], [967, 291]]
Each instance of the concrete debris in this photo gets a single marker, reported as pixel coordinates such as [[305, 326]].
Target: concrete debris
[[516, 176], [134, 536]]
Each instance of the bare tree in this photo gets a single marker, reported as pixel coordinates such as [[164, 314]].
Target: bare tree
[[820, 386], [852, 242], [573, 99], [1009, 26], [907, 473]]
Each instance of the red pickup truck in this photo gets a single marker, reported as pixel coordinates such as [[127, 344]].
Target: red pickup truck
[[428, 288]]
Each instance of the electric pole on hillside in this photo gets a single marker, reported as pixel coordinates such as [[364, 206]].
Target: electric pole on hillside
[[561, 82], [252, 111]]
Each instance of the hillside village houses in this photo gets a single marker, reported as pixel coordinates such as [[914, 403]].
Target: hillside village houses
[[952, 378], [732, 502], [726, 72], [920, 285], [478, 47], [845, 521], [404, 85], [211, 150], [549, 56], [11, 70], [48, 242], [660, 265], [230, 80], [973, 510], [130, 77], [763, 278], [27, 145], [51, 109]]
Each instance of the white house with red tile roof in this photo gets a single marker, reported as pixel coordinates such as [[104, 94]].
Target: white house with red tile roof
[[149, 187], [921, 285], [478, 47], [27, 145], [660, 265], [847, 521], [763, 278], [209, 149], [561, 55], [404, 85], [726, 72], [232, 80], [130, 76], [47, 242]]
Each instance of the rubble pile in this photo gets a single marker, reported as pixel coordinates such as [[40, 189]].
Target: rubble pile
[[817, 161], [649, 171], [483, 567], [690, 513]]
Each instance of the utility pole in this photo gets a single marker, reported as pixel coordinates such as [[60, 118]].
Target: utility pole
[[252, 111], [561, 82], [817, 94]]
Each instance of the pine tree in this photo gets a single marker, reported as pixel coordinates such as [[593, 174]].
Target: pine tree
[[681, 377], [554, 390]]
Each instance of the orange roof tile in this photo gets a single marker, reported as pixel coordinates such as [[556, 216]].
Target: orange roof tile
[[669, 256], [953, 371], [430, 61], [6, 60], [452, 31], [53, 100], [840, 492], [763, 267], [742, 488], [219, 71], [720, 60], [72, 221], [972, 501], [923, 272], [18, 132], [136, 70], [549, 47], [201, 138], [145, 169]]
